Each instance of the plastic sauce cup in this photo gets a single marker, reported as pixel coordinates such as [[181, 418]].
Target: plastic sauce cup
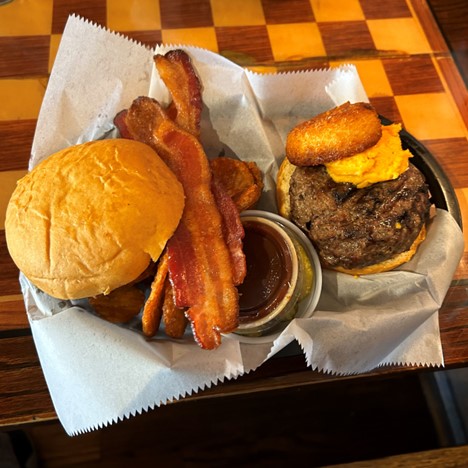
[[284, 277]]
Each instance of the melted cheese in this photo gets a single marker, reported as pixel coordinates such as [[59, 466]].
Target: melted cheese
[[384, 161]]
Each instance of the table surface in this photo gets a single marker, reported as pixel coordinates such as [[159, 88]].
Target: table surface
[[404, 64]]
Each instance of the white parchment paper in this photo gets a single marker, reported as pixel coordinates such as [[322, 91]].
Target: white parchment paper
[[99, 373]]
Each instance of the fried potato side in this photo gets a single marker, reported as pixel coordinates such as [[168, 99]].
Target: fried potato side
[[152, 312], [120, 306], [335, 134], [173, 317], [241, 180]]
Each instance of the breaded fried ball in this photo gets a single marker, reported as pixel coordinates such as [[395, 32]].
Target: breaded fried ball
[[343, 131]]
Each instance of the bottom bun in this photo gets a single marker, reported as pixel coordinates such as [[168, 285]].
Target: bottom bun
[[283, 180]]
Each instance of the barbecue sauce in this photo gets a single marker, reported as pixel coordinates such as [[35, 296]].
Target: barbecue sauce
[[269, 271]]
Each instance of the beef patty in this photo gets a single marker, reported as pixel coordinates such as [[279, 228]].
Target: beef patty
[[352, 227]]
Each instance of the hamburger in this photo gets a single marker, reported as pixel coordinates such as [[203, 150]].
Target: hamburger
[[348, 183], [92, 217]]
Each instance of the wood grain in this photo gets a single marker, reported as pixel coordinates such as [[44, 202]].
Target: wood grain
[[16, 138], [438, 44], [23, 393], [451, 16], [9, 283], [24, 56], [456, 84], [428, 22], [307, 426], [454, 332], [93, 10], [12, 313], [453, 457]]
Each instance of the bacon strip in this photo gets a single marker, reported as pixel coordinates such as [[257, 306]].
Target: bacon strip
[[174, 319], [199, 260], [176, 70], [178, 74], [233, 231], [119, 122]]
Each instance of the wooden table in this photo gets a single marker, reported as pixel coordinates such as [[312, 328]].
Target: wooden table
[[405, 66]]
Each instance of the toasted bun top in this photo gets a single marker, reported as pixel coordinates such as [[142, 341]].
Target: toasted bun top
[[335, 134], [91, 217]]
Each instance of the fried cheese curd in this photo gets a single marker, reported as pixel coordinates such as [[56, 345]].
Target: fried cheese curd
[[335, 134]]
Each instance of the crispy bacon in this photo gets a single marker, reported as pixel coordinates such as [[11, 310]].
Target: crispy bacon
[[119, 122], [174, 319], [233, 231], [205, 255], [199, 260], [178, 74], [176, 70]]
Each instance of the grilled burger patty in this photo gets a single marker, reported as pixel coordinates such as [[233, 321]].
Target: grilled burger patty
[[352, 227]]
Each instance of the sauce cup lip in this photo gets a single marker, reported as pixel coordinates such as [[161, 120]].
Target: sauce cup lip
[[294, 274], [307, 306]]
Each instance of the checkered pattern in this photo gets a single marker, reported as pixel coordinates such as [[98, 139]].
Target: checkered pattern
[[405, 69]]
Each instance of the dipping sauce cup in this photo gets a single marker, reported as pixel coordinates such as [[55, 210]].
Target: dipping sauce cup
[[284, 277]]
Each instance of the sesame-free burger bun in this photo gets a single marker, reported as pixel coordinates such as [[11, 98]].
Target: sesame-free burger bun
[[283, 181], [90, 218]]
